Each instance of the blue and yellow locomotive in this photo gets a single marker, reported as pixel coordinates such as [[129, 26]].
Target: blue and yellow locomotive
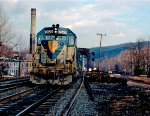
[[54, 60]]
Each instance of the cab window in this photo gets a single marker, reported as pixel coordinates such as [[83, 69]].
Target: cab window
[[61, 38], [71, 40], [40, 38], [50, 37]]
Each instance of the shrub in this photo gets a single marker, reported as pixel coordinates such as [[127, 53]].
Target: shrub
[[138, 70]]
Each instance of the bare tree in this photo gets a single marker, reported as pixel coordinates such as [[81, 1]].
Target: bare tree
[[136, 56], [9, 40], [109, 63], [146, 52], [5, 27], [7, 36]]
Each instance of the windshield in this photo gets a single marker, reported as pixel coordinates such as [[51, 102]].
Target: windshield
[[61, 38], [50, 37]]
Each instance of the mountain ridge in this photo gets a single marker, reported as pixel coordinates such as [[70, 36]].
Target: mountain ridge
[[114, 50]]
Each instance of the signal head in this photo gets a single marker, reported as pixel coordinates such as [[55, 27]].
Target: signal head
[[57, 25], [93, 53]]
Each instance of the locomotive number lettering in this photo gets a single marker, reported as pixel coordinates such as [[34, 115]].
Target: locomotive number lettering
[[62, 32], [48, 31], [51, 32]]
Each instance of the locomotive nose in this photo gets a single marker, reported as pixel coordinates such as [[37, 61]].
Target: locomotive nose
[[53, 45]]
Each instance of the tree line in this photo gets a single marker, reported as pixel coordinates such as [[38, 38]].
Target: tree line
[[135, 60]]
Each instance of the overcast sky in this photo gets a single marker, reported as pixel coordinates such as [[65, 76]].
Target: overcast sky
[[122, 20]]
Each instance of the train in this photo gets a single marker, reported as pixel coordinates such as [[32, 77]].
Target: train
[[55, 57], [54, 54]]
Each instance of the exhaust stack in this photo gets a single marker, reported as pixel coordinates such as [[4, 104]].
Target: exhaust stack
[[33, 31]]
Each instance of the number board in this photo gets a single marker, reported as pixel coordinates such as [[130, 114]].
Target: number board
[[54, 31]]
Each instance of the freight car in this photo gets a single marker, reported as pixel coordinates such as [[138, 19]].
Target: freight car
[[55, 59]]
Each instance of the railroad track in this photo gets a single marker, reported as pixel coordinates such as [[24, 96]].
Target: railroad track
[[37, 103], [88, 89], [44, 105], [8, 84], [12, 80], [7, 89], [15, 96], [72, 101], [15, 104], [7, 79]]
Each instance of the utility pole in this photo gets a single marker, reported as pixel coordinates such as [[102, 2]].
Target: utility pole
[[0, 43], [101, 37]]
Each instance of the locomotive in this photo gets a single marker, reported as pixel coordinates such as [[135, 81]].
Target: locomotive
[[54, 54], [55, 57]]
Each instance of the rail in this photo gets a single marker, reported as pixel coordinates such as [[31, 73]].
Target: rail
[[13, 96], [71, 103], [88, 89], [2, 86], [9, 88], [36, 104], [13, 80]]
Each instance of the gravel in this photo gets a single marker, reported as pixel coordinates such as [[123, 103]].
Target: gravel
[[113, 99], [83, 106], [110, 99], [65, 99]]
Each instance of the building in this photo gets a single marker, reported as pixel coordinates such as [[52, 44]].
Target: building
[[13, 67], [25, 68], [9, 66]]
